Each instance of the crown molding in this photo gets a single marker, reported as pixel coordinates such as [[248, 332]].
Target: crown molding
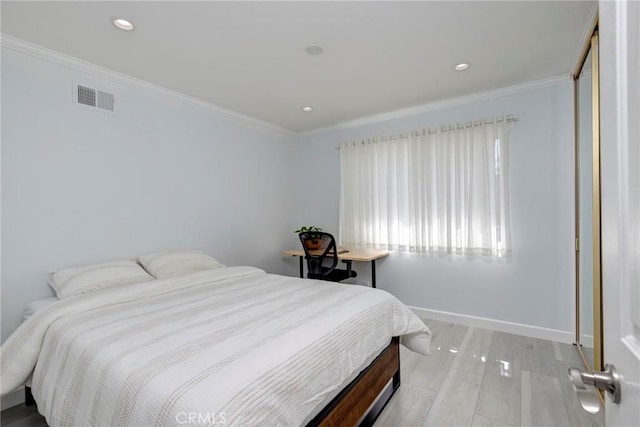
[[587, 32], [37, 51], [41, 52], [440, 105]]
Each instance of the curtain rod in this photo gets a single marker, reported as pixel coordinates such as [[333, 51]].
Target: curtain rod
[[463, 125], [442, 128]]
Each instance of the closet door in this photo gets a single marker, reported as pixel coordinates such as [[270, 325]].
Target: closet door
[[588, 234]]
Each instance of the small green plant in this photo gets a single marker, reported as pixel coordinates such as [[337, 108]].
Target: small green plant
[[307, 229]]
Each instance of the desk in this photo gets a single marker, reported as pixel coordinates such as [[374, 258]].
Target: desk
[[359, 255]]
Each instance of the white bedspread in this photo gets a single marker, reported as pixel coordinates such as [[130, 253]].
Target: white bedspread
[[233, 345]]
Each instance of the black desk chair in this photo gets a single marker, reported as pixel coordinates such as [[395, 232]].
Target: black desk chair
[[321, 254]]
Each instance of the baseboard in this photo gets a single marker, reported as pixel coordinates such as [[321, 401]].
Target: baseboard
[[587, 341], [12, 399], [497, 325]]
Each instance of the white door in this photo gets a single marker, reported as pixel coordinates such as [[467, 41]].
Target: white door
[[620, 166]]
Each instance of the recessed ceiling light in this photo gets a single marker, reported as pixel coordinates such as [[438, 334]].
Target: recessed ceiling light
[[461, 67], [307, 109], [314, 49], [123, 24]]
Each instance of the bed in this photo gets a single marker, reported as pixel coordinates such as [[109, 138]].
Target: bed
[[233, 346]]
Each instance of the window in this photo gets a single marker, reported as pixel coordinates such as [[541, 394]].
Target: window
[[441, 190]]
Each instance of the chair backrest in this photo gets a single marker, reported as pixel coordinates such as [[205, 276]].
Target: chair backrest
[[318, 248]]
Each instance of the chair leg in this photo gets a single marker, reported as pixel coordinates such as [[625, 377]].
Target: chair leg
[[348, 267], [28, 397]]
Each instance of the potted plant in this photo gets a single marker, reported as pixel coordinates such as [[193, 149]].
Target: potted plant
[[313, 240]]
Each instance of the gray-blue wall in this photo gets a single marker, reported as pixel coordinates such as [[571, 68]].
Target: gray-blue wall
[[81, 186], [534, 288]]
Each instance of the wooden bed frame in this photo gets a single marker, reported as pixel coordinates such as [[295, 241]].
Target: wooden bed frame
[[361, 401], [365, 397]]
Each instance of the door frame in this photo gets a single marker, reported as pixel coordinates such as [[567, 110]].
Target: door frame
[[591, 46]]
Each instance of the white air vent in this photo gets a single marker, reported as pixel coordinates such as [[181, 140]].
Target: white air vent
[[105, 100], [95, 98], [86, 96]]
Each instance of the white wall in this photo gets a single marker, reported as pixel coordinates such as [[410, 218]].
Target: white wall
[[82, 186], [535, 287]]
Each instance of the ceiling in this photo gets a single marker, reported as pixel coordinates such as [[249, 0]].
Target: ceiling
[[250, 56]]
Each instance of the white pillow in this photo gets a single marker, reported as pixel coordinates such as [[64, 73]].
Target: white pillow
[[162, 265], [37, 305], [91, 278]]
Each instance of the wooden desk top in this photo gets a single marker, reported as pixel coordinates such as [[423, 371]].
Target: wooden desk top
[[360, 255]]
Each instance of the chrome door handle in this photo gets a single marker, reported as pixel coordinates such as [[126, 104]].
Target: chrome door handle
[[606, 380]]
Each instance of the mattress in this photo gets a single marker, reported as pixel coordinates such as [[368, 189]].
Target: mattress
[[233, 343]]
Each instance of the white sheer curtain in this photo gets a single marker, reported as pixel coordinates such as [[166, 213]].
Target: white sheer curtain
[[440, 190]]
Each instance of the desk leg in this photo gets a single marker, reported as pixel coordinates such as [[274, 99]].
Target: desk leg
[[373, 273], [301, 268]]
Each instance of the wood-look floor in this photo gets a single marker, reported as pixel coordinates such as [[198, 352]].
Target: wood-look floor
[[474, 377], [481, 378]]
